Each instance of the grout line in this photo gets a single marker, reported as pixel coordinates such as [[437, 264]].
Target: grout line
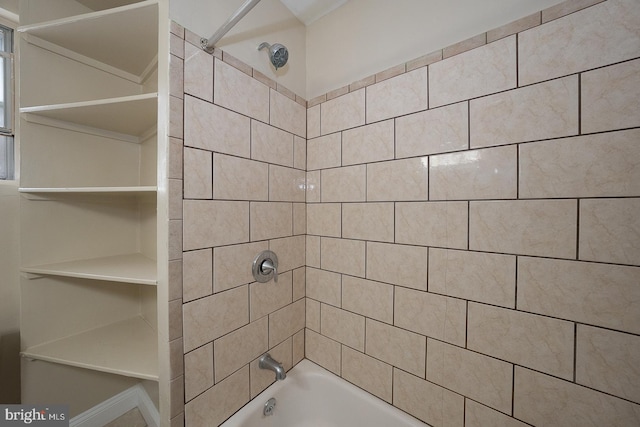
[[575, 351]]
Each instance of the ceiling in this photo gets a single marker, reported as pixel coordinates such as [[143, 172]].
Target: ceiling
[[308, 11]]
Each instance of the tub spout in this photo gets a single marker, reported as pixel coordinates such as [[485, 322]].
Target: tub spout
[[266, 362]]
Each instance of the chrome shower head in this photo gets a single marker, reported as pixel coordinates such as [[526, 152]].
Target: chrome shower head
[[278, 54]]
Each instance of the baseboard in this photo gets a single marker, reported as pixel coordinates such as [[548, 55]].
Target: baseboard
[[118, 405]]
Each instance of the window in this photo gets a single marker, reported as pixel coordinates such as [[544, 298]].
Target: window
[[7, 157]]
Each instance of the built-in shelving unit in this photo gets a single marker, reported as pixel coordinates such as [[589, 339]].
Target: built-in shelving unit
[[89, 154]]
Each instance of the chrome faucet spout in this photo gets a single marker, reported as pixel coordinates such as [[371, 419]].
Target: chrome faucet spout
[[267, 362]]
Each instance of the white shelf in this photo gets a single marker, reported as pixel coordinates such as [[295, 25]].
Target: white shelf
[[130, 268], [92, 190], [128, 115], [125, 38], [128, 347]]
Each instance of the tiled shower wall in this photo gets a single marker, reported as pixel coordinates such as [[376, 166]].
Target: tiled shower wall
[[473, 226], [238, 187]]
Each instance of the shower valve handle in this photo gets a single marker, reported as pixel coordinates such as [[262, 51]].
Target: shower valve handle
[[268, 266]]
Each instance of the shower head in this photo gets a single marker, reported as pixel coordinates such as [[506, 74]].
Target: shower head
[[278, 54]]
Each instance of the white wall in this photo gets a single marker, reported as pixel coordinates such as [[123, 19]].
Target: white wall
[[270, 21], [364, 37]]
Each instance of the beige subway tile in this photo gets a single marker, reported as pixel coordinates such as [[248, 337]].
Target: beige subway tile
[[290, 252], [265, 298], [424, 60], [346, 184], [209, 318], [175, 198], [397, 264], [238, 92], [477, 415], [610, 230], [299, 282], [479, 377], [286, 184], [313, 122], [324, 152], [299, 153], [237, 63], [514, 27], [312, 315], [198, 371], [397, 96], [342, 326], [324, 286], [176, 397], [432, 315], [175, 319], [565, 8], [526, 227], [299, 218], [297, 352], [312, 251], [426, 401], [337, 92], [285, 113], [438, 130], [541, 111], [482, 71], [343, 256], [406, 179], [608, 361], [176, 158], [176, 76], [475, 276], [271, 220], [198, 72], [177, 118], [270, 144], [421, 223], [604, 165], [368, 221], [390, 72], [323, 351], [558, 47], [286, 322], [239, 347], [219, 402], [317, 100], [372, 375], [324, 219], [197, 274], [285, 92], [262, 378], [230, 265], [369, 298], [370, 143], [176, 243], [475, 174], [235, 178], [212, 128], [610, 97], [367, 81], [398, 347], [176, 44], [262, 78], [342, 113], [210, 223], [581, 291], [313, 187], [198, 174], [543, 400], [537, 342], [175, 279], [465, 45]]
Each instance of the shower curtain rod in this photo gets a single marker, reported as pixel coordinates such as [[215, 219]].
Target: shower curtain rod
[[208, 44]]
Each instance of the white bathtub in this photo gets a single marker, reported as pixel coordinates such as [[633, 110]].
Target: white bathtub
[[311, 396]]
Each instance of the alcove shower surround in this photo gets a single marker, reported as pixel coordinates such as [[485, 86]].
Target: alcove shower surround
[[471, 223]]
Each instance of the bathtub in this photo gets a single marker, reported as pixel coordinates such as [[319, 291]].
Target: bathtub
[[311, 396]]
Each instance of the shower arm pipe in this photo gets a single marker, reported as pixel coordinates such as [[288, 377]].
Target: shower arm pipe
[[208, 44]]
